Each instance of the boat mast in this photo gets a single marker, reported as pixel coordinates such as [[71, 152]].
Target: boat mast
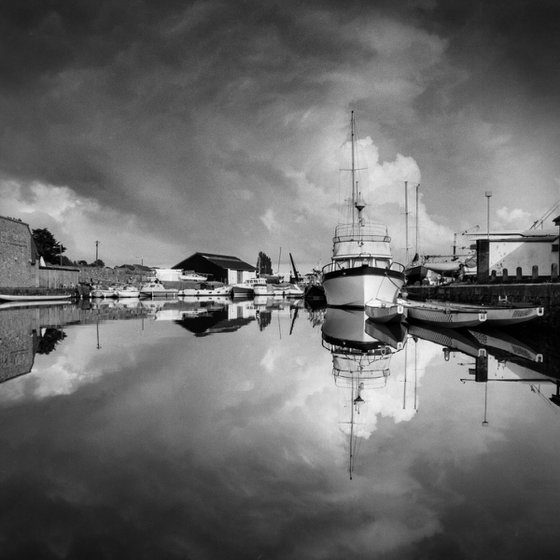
[[416, 234], [351, 450], [353, 170], [406, 221], [357, 200]]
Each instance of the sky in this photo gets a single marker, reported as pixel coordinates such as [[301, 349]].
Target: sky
[[162, 128]]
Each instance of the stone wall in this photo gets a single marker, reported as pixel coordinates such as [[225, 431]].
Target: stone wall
[[102, 275], [18, 265], [58, 277]]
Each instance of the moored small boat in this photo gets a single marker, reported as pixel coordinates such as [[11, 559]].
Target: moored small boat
[[99, 291], [206, 289], [157, 289], [385, 311], [33, 297], [252, 286], [128, 291], [502, 314], [287, 289], [445, 315]]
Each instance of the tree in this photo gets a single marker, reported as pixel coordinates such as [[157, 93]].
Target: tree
[[264, 264], [51, 337], [49, 248]]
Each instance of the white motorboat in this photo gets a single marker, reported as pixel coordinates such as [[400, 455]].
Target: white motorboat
[[191, 276], [288, 290], [128, 291], [100, 291], [252, 286], [361, 268], [157, 289], [385, 311], [206, 289]]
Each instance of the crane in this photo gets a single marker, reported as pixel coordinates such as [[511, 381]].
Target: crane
[[295, 279], [547, 214]]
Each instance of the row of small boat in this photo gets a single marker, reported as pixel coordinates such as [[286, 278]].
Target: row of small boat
[[451, 314], [208, 288]]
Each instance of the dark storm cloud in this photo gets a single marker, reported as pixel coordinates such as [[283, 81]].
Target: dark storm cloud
[[172, 112]]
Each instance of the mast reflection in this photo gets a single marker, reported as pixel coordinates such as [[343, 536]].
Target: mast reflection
[[360, 362]]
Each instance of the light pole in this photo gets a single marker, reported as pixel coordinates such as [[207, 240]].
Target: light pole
[[488, 195]]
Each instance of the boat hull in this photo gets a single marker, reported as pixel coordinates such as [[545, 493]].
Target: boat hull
[[97, 293], [193, 292], [503, 315], [242, 291], [446, 316], [18, 297], [128, 293], [353, 287], [158, 293], [385, 312]]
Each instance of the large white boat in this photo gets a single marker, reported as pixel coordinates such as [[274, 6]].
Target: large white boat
[[362, 267]]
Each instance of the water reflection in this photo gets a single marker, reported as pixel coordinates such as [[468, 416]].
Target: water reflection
[[361, 364], [218, 429]]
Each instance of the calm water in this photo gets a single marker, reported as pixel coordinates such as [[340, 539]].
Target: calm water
[[262, 430]]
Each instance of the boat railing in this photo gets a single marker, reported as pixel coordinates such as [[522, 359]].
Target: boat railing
[[345, 233], [342, 263], [397, 266]]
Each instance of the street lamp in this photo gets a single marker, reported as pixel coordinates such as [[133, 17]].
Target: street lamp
[[488, 195]]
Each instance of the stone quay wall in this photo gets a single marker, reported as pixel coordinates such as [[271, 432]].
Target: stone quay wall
[[18, 267]]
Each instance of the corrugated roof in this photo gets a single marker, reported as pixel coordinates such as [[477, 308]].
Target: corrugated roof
[[227, 261]]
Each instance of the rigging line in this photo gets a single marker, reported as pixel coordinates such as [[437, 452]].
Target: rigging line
[[538, 392]]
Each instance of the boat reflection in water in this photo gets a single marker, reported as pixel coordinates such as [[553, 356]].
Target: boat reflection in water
[[363, 351], [360, 365]]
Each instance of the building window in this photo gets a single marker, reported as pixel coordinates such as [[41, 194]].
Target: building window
[[555, 248]]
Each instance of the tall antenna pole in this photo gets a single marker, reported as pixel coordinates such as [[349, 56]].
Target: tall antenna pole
[[406, 220], [488, 195], [353, 170], [416, 237]]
